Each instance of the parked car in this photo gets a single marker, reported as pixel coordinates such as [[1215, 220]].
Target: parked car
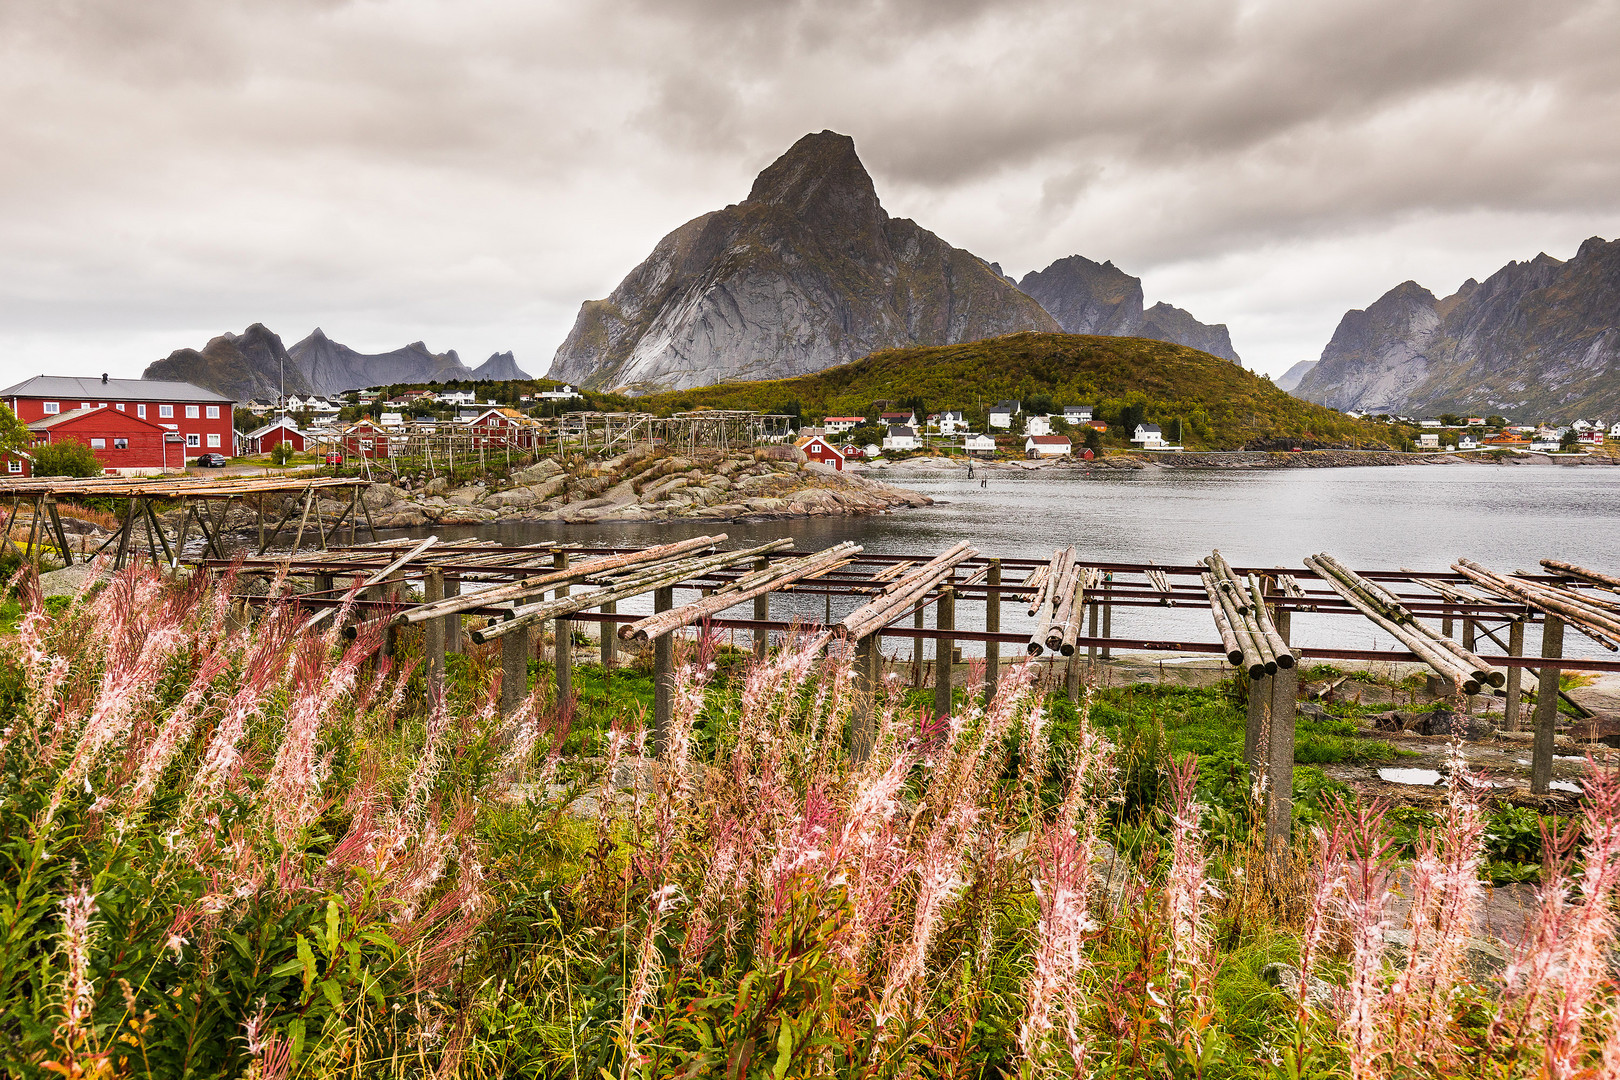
[[211, 461]]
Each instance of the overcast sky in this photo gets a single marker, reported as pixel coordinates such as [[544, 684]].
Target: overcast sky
[[466, 172]]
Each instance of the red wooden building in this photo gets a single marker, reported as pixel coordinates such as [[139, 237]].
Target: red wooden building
[[282, 429], [125, 443], [819, 449], [200, 418], [502, 429], [366, 438]]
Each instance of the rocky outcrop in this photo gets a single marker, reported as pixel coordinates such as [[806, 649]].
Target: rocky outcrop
[[808, 272], [1099, 298], [1536, 340]]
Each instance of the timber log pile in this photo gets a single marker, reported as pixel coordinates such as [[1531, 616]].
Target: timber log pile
[[1594, 614], [904, 593], [1448, 659], [1238, 606], [1058, 602]]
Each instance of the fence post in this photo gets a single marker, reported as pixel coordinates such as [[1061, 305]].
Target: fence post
[[452, 623], [1552, 648], [917, 649], [610, 636], [514, 670], [562, 639], [868, 674], [1280, 752], [1108, 614], [663, 673], [433, 635], [992, 625], [944, 647], [1091, 650], [1468, 643], [762, 613], [1510, 707]]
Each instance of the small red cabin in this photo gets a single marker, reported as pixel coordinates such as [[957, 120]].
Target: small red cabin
[[819, 449]]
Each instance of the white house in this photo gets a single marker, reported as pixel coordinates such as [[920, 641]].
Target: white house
[[951, 422], [1148, 436], [980, 445], [391, 419], [1429, 440], [871, 450], [1037, 425], [1430, 422], [900, 437], [1614, 432], [837, 425], [1001, 413], [1077, 414], [1581, 425], [1037, 446], [1467, 442], [562, 393], [1545, 445]]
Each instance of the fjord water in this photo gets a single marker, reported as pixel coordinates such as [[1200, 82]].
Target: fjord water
[[1420, 517]]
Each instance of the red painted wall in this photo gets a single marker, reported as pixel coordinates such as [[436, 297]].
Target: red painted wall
[[145, 449], [29, 409]]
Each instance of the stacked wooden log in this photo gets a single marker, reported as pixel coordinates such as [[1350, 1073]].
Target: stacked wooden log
[[904, 593], [744, 588], [1596, 617], [1448, 659], [1058, 603], [1238, 606]]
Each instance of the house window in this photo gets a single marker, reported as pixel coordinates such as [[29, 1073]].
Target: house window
[[84, 404], [120, 444], [120, 407], [191, 412], [365, 444], [14, 466], [140, 411], [213, 440], [194, 440], [166, 411], [98, 444], [213, 412], [52, 407]]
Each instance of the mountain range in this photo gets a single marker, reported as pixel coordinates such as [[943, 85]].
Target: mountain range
[[255, 364], [810, 271], [1535, 340]]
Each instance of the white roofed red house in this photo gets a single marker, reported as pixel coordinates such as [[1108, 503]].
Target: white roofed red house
[[817, 448], [366, 438], [500, 428], [126, 444], [283, 429], [200, 418], [17, 463]]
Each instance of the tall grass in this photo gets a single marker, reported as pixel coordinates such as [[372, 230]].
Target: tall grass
[[252, 849]]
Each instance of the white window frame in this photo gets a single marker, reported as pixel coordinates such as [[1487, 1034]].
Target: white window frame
[[14, 465], [166, 411], [98, 444], [192, 412], [193, 440], [84, 404], [140, 411], [211, 412], [120, 407], [52, 408], [120, 443], [213, 440]]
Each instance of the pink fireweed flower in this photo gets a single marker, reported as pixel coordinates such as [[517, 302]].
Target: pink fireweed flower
[[1184, 888], [78, 990], [1367, 895], [1062, 885]]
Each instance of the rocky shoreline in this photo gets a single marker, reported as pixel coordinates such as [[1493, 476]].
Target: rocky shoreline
[[1238, 459], [644, 485]]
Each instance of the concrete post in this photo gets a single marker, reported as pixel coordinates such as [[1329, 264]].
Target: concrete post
[[663, 673], [514, 670], [1510, 707], [1280, 749], [452, 623], [1071, 676], [762, 613], [1552, 648], [433, 636], [944, 647], [562, 661], [1255, 737], [868, 674], [610, 636], [992, 625]]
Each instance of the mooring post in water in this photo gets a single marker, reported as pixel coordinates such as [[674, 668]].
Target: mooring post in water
[[563, 639], [762, 613], [433, 635], [514, 670], [663, 673], [1510, 707], [944, 647], [610, 636], [992, 625], [1552, 648], [452, 623], [868, 676], [1280, 752]]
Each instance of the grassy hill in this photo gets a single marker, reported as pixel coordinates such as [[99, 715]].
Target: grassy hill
[[1219, 405]]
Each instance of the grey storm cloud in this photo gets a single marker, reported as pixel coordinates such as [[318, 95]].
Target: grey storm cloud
[[469, 172]]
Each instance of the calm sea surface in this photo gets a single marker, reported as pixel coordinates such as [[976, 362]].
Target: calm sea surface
[[1421, 517]]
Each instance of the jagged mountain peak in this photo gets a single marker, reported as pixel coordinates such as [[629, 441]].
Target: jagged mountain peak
[[821, 166]]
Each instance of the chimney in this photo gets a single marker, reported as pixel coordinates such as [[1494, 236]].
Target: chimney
[[103, 378]]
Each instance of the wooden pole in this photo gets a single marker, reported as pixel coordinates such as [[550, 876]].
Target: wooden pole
[[562, 639], [762, 613], [1091, 650], [992, 625], [514, 670], [944, 648], [1108, 614], [452, 622], [610, 636], [1552, 648], [1510, 707], [1071, 677], [309, 498], [663, 673], [1280, 751], [1468, 643], [917, 649], [868, 673], [433, 635]]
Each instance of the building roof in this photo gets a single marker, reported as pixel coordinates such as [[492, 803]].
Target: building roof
[[841, 419], [1004, 406], [1149, 429], [279, 422], [1050, 440], [806, 440], [1077, 408], [900, 431], [980, 435], [72, 386], [73, 416]]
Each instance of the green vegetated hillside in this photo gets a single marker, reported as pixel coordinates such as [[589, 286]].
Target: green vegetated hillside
[[1219, 404]]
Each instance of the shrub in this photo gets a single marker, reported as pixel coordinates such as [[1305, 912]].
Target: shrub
[[66, 458]]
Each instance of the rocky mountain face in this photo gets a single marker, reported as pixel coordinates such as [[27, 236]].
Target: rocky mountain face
[[1536, 340], [1099, 298], [808, 272], [251, 365], [1290, 378], [243, 366]]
